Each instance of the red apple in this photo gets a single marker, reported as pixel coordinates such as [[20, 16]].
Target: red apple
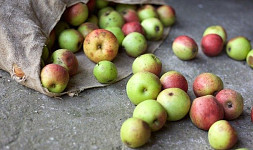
[[167, 15], [130, 15], [212, 44], [174, 79], [132, 27], [205, 111], [232, 103], [91, 5]]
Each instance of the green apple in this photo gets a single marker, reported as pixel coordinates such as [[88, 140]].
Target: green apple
[[54, 77], [105, 72], [134, 132], [147, 62], [122, 7], [222, 135], [147, 11], [118, 33], [152, 113], [249, 58], [185, 48], [238, 48], [176, 102], [93, 19], [59, 27], [111, 19], [135, 44], [86, 28], [153, 28], [101, 4], [143, 86], [70, 39], [167, 15], [45, 53], [67, 59], [104, 10], [76, 14], [216, 29]]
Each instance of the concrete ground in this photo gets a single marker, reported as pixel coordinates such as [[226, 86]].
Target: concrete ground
[[30, 120]]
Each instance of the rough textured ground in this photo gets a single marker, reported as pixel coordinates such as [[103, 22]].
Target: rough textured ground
[[30, 120]]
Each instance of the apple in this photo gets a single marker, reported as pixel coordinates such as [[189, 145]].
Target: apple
[[118, 33], [135, 44], [216, 29], [76, 14], [93, 19], [222, 135], [153, 29], [45, 53], [104, 10], [54, 77], [101, 4], [205, 111], [66, 59], [51, 40], [111, 19], [242, 149], [59, 27], [42, 64], [143, 86], [232, 102], [130, 15], [167, 15], [212, 45], [176, 102], [207, 84], [130, 27], [86, 28], [147, 11], [135, 132], [122, 7], [249, 59], [185, 48], [105, 72], [174, 79], [152, 112], [100, 45], [238, 48], [147, 62], [91, 6], [70, 39]]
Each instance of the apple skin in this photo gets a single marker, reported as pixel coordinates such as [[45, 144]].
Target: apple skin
[[86, 28], [76, 14], [135, 132], [70, 39], [216, 29], [130, 27], [249, 58], [212, 45], [153, 29], [54, 77], [59, 27], [174, 79], [66, 59], [176, 102], [207, 84], [238, 48], [147, 11], [91, 6], [105, 72], [45, 53], [122, 7], [111, 19], [130, 15], [101, 4], [118, 33], [104, 10], [185, 48], [147, 62], [167, 15], [222, 135], [206, 110], [100, 45], [232, 103], [152, 112], [93, 19], [135, 44], [143, 86]]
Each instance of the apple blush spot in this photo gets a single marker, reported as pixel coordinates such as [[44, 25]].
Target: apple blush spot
[[251, 60]]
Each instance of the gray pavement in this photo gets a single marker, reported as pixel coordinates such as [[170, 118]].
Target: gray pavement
[[30, 120]]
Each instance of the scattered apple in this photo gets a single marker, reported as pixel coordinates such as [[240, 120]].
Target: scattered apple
[[91, 6], [153, 29], [222, 135], [143, 86], [111, 19], [216, 29], [93, 19], [86, 28], [212, 45], [59, 27], [249, 58], [122, 7], [152, 113], [176, 102], [185, 48], [130, 27], [167, 15], [101, 4], [147, 11], [104, 10], [130, 15], [118, 33]]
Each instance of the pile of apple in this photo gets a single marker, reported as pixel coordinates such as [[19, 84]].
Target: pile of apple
[[165, 98], [100, 28], [213, 41]]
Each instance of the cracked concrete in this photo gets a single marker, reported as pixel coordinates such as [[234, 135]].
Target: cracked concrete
[[30, 120]]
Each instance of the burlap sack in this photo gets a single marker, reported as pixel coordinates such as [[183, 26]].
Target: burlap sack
[[25, 26]]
